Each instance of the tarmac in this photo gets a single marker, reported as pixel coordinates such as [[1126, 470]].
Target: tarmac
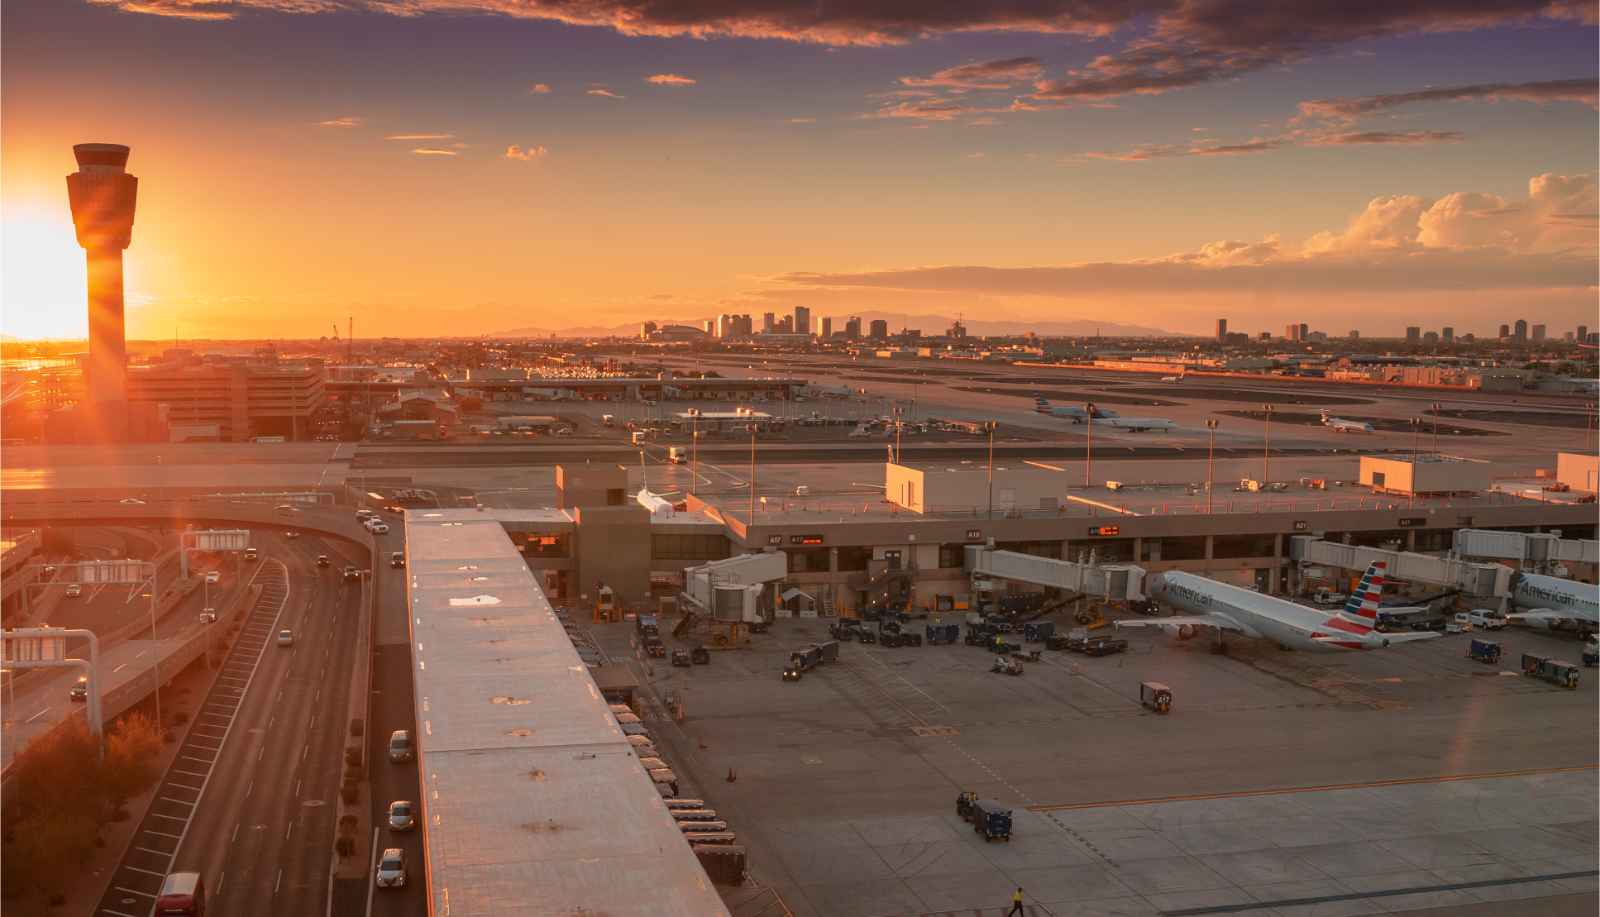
[[1281, 783]]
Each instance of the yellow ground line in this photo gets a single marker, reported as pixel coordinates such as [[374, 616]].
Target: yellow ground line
[[1239, 794]]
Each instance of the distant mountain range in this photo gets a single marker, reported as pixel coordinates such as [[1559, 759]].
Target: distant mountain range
[[929, 324]]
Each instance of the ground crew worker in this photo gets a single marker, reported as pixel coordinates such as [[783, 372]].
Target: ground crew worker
[[1016, 903]]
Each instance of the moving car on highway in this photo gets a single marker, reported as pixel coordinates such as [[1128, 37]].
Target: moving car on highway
[[392, 869], [286, 637], [400, 816]]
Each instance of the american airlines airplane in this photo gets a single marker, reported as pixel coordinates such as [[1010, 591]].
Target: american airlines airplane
[[1341, 425], [1289, 624], [1071, 412], [1553, 602], [1104, 417]]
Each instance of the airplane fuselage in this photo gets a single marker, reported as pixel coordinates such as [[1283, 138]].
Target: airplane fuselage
[[1286, 623]]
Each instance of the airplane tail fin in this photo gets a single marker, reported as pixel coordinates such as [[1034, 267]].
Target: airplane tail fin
[[1362, 606]]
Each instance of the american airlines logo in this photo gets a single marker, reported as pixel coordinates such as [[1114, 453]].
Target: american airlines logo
[[1194, 596], [1549, 595]]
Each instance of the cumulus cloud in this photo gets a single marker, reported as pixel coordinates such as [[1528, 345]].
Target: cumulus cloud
[[434, 151], [539, 89], [525, 155], [1468, 241], [670, 79], [802, 120], [995, 74], [346, 121], [1582, 91], [603, 93], [415, 137]]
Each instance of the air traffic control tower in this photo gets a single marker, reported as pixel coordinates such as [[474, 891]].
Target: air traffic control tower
[[103, 195]]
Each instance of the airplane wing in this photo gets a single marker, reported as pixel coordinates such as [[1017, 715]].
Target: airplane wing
[[1214, 620], [1387, 639], [1541, 617]]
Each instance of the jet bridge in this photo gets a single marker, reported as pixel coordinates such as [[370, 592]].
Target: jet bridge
[[1537, 551], [1115, 582], [1452, 573], [732, 589]]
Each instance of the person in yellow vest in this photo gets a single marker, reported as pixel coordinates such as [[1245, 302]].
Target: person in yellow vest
[[1016, 903]]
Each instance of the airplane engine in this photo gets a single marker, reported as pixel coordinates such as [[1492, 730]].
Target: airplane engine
[[1185, 631]]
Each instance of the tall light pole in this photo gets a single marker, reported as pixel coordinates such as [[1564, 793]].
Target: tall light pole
[[1416, 433], [991, 468], [1266, 448], [1211, 452], [1088, 445], [694, 452], [155, 590], [1435, 407], [752, 474]]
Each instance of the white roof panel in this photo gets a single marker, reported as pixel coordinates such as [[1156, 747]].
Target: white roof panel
[[533, 802]]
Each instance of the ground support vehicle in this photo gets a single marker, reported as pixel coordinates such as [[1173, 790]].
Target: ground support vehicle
[[1563, 674], [1485, 651], [1155, 696], [1104, 646], [1005, 665]]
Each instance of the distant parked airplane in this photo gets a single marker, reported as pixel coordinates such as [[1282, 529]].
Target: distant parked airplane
[[1290, 624], [1173, 379], [1071, 412], [1341, 425]]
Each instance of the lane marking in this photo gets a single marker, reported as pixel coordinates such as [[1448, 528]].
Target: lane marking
[[37, 715], [132, 891], [1243, 794], [159, 853], [148, 872]]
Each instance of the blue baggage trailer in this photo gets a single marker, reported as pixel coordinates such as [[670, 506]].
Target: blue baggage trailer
[[1485, 651]]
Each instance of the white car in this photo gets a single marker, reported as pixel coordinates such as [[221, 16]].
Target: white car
[[74, 590], [391, 869], [213, 577], [286, 637], [209, 616]]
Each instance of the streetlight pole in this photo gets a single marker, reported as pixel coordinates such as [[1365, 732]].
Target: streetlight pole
[[1266, 449], [752, 474], [1211, 452], [1416, 433], [1435, 407], [1088, 445], [694, 452], [991, 468], [155, 590]]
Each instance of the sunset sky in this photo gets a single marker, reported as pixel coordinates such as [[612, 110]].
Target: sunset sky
[[462, 167]]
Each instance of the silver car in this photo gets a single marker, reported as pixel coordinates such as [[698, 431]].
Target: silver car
[[391, 868], [401, 815]]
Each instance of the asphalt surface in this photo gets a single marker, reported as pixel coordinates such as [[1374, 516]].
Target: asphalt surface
[[251, 801], [393, 708]]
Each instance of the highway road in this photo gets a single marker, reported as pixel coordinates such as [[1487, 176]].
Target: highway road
[[393, 708], [38, 699], [251, 801]]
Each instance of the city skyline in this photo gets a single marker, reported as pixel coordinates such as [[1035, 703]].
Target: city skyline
[[606, 164]]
